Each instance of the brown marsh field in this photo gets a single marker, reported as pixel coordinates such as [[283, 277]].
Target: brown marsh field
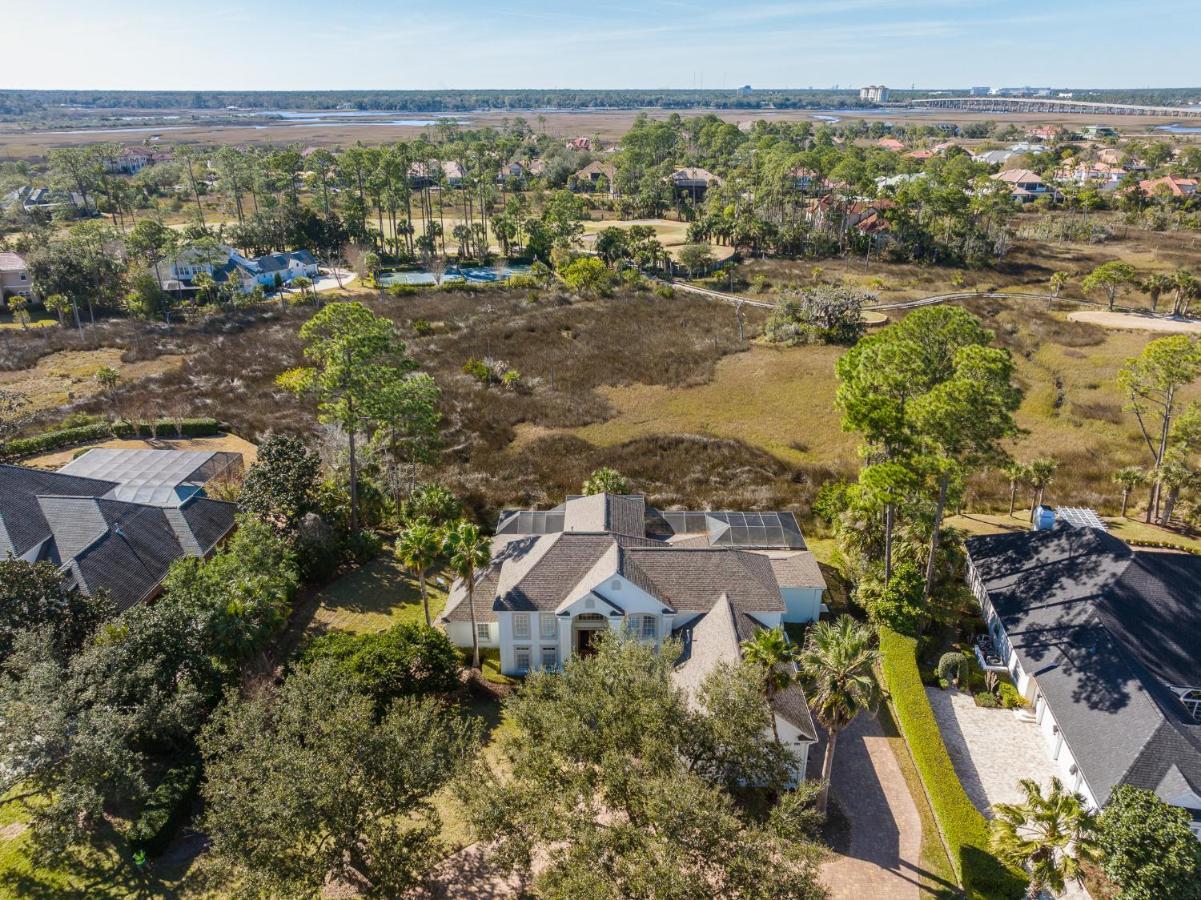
[[661, 389]]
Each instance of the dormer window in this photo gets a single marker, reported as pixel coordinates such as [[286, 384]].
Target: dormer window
[[1191, 698]]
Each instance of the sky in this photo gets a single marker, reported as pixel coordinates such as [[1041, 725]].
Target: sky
[[383, 44]]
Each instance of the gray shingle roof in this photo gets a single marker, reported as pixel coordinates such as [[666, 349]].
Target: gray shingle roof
[[1104, 630], [24, 522], [99, 542]]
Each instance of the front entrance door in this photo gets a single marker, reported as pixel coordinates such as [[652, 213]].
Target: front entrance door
[[583, 641]]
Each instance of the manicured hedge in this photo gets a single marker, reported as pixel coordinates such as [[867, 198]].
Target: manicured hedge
[[166, 808], [82, 434], [963, 827]]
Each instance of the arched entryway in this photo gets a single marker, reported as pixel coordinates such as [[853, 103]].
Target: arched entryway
[[584, 630]]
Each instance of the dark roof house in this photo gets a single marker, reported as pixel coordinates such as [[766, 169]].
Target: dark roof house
[[1109, 638]]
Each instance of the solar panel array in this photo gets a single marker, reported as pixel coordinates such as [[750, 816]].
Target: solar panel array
[[1080, 517]]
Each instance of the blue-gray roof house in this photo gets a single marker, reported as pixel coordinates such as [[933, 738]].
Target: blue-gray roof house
[[1105, 642]]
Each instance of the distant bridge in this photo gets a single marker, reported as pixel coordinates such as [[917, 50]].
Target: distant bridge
[[1055, 106]]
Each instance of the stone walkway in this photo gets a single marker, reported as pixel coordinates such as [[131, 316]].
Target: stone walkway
[[886, 833], [992, 750]]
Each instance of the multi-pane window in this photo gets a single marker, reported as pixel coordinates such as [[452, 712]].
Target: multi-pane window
[[521, 625], [647, 628], [550, 658], [549, 626], [482, 632], [521, 659], [1192, 702]]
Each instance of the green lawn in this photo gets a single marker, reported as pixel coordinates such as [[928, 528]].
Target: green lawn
[[105, 870], [1129, 529], [377, 596]]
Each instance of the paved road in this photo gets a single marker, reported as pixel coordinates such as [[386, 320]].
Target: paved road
[[886, 833]]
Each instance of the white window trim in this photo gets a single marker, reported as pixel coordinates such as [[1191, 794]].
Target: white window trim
[[553, 653], [648, 628], [548, 626], [517, 651], [483, 631], [521, 626]]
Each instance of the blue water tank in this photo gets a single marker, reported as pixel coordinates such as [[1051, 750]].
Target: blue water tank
[[1044, 518]]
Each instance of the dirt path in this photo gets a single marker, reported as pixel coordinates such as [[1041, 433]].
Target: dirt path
[[1137, 321]]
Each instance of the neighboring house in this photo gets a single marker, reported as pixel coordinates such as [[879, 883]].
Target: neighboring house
[[590, 177], [1105, 643], [514, 170], [606, 562], [891, 144], [1175, 187], [580, 143], [45, 201], [1024, 185], [807, 180], [14, 276], [693, 181], [224, 264], [422, 175], [115, 520], [1081, 172], [1044, 133], [130, 161], [994, 157]]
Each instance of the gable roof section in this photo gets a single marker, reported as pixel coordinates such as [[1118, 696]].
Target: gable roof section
[[24, 521], [617, 513], [690, 580]]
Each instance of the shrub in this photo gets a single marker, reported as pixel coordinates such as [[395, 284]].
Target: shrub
[[65, 437], [406, 660], [962, 826], [823, 314], [477, 369], [421, 327], [951, 667], [986, 699], [1010, 698], [166, 807], [666, 291], [1148, 848], [363, 546]]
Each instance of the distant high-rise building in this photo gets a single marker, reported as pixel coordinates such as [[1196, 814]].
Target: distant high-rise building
[[874, 93], [978, 91], [745, 90]]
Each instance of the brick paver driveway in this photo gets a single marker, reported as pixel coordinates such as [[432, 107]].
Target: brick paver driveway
[[886, 833]]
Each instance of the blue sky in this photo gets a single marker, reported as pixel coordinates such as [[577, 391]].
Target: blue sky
[[303, 44]]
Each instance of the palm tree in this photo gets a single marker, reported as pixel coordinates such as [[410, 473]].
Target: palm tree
[[467, 552], [836, 666], [1048, 836], [1016, 472], [1039, 474], [418, 547], [1058, 281], [1186, 289], [1155, 284], [770, 653], [1129, 478]]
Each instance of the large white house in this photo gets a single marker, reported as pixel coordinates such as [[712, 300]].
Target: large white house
[[1105, 643], [225, 264], [606, 562]]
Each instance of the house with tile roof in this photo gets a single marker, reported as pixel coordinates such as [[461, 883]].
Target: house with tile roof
[[115, 520], [607, 562], [1104, 641], [1172, 186], [1025, 186], [596, 175]]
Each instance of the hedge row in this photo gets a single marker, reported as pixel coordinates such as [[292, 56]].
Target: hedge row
[[81, 434], [168, 805], [963, 827]]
